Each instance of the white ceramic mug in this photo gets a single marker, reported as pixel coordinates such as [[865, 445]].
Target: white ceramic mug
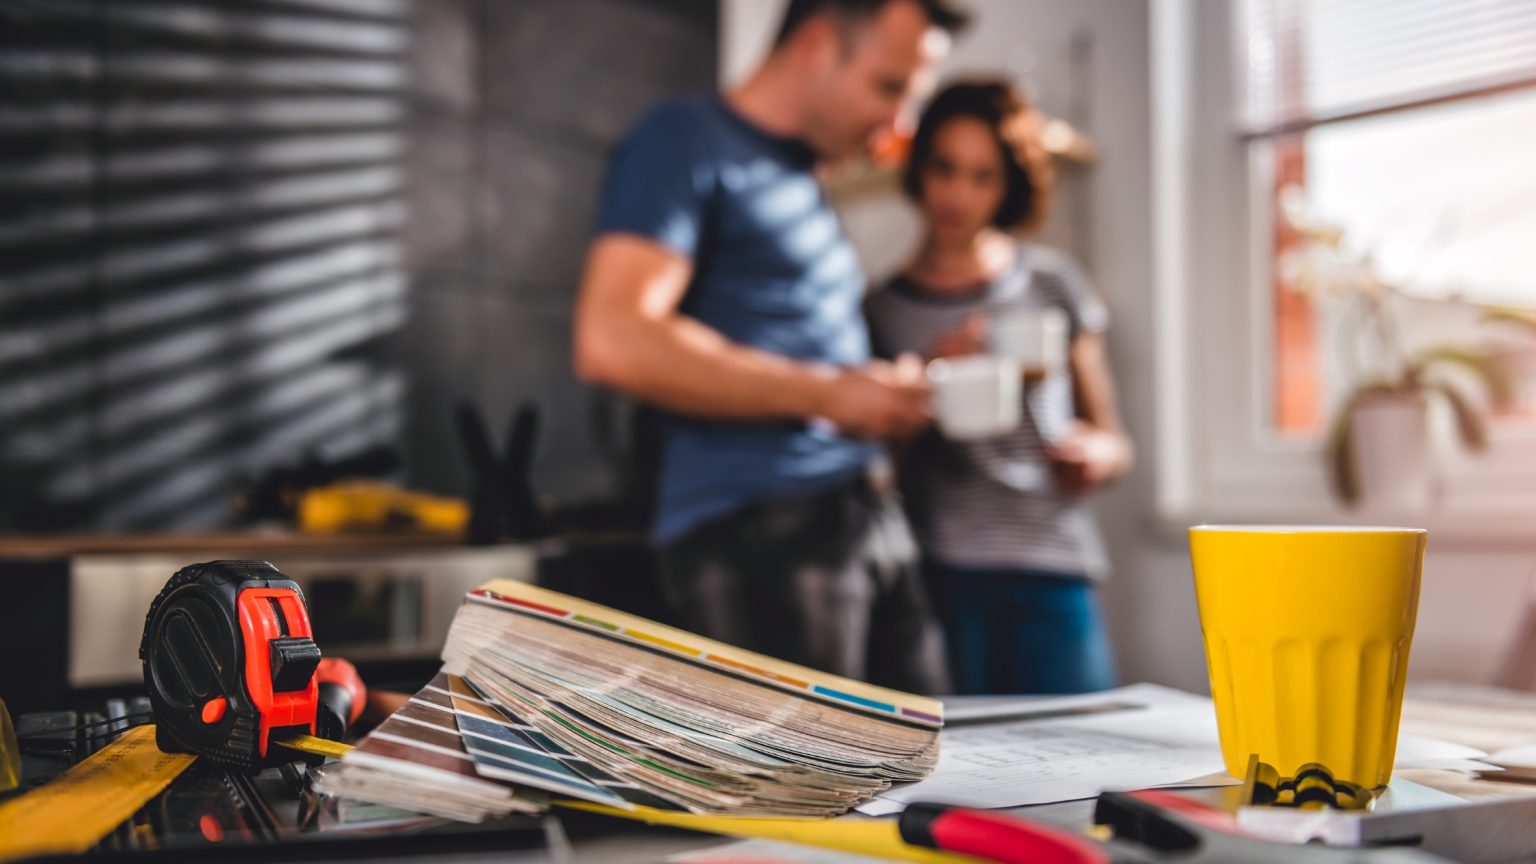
[[1035, 338], [976, 397]]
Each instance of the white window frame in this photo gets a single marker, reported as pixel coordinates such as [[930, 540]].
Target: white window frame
[[1217, 457]]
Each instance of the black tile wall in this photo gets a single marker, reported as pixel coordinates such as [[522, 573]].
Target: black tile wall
[[518, 103], [236, 234], [200, 259], [586, 69]]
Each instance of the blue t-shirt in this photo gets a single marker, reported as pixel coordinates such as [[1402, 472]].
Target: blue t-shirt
[[772, 269]]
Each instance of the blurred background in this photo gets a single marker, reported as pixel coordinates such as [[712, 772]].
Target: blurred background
[[251, 250]]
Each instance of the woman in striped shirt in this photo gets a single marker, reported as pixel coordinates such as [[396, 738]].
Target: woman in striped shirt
[[1013, 550]]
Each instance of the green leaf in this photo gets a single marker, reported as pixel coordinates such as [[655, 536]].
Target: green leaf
[[1506, 315], [1341, 462], [1480, 363], [1469, 423]]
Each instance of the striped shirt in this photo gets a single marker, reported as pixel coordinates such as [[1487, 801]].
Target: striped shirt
[[990, 503]]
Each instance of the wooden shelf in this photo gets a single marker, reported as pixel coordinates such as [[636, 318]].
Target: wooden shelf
[[266, 542]]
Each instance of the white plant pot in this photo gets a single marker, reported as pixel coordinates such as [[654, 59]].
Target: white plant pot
[[1392, 446]]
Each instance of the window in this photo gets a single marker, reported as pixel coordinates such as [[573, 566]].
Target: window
[[1341, 189], [1405, 127]]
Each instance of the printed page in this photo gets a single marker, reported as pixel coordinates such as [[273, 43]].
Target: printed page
[[1166, 738]]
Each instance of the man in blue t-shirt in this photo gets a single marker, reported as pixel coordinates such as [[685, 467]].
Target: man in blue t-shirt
[[720, 287]]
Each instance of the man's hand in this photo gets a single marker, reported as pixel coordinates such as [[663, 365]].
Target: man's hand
[[879, 400], [1087, 457]]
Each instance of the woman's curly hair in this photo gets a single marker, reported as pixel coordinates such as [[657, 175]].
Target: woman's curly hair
[[1015, 124]]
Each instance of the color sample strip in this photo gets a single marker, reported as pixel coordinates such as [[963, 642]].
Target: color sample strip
[[919, 715], [424, 734], [586, 619], [503, 751], [857, 700], [480, 701], [670, 646], [742, 667]]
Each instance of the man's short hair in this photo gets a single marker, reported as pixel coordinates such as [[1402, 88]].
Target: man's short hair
[[942, 14]]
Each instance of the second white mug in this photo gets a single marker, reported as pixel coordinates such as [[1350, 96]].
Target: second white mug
[[1035, 338]]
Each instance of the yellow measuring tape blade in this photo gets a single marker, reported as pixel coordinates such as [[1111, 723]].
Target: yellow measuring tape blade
[[312, 745], [880, 839], [72, 813]]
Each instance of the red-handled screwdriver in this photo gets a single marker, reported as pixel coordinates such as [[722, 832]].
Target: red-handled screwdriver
[[995, 837]]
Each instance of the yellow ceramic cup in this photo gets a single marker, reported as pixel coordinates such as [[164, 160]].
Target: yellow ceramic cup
[[1306, 638]]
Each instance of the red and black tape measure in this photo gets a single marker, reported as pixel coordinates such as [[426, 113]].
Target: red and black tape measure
[[230, 661]]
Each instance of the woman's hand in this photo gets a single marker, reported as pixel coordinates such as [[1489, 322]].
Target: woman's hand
[[1096, 449], [1087, 457], [963, 341]]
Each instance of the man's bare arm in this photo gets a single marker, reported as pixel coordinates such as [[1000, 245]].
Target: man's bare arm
[[630, 336]]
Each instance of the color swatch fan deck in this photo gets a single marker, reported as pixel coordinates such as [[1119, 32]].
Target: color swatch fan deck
[[544, 696]]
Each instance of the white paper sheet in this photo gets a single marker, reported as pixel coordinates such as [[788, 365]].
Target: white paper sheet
[[996, 755], [1169, 738], [1416, 751], [1521, 756], [965, 710]]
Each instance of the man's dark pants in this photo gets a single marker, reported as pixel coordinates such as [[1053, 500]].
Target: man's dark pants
[[829, 581]]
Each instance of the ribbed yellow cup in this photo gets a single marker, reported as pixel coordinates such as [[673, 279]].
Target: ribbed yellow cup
[[1307, 632]]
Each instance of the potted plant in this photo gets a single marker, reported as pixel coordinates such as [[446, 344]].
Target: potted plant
[[1383, 447], [1382, 450]]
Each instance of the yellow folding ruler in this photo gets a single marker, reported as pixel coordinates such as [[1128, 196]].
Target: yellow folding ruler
[[73, 812]]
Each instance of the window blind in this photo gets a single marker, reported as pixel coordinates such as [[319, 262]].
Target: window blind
[[1309, 62]]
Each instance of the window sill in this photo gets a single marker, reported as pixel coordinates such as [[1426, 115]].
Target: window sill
[[1501, 530]]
